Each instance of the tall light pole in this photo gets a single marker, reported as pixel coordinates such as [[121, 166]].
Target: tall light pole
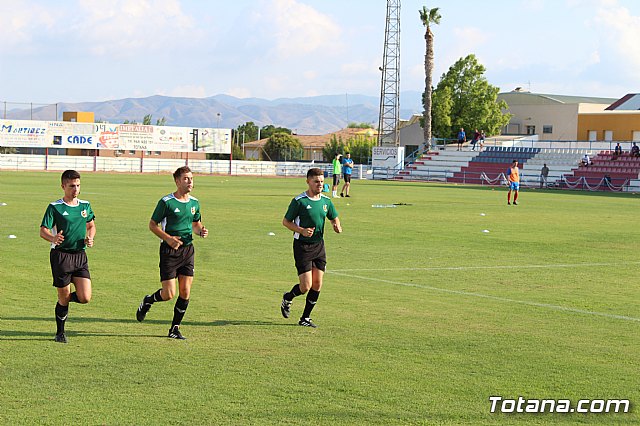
[[218, 121]]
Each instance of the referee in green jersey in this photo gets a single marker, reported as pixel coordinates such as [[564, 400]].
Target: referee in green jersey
[[174, 220], [305, 217], [69, 225]]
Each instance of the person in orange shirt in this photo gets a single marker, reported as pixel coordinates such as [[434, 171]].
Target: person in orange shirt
[[513, 178]]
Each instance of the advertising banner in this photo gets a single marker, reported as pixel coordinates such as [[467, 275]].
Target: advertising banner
[[217, 141], [24, 133]]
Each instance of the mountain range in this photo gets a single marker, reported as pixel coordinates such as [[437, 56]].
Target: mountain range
[[304, 115]]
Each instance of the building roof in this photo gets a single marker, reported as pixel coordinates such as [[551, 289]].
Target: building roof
[[518, 97], [319, 141], [628, 102]]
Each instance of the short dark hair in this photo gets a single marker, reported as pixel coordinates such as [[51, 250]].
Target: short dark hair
[[180, 171], [314, 172], [68, 175], [514, 161]]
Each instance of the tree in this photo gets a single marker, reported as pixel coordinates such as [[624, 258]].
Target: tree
[[428, 17], [360, 126], [283, 146], [464, 98], [269, 130], [247, 132], [333, 147], [360, 148]]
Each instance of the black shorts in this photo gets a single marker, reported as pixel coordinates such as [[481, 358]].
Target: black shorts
[[336, 179], [66, 265], [174, 262], [308, 256], [347, 177]]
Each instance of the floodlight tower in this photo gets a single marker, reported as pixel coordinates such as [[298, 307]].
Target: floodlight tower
[[390, 85]]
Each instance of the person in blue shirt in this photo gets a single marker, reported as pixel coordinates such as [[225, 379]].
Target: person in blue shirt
[[347, 169], [462, 138]]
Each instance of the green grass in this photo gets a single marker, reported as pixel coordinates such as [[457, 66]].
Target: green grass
[[422, 316]]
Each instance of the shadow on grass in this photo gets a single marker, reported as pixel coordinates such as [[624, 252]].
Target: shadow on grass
[[33, 335]]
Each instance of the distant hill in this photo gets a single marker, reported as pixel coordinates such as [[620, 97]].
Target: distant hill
[[307, 115]]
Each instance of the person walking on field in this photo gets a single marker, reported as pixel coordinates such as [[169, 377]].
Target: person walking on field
[[347, 169], [337, 170], [513, 179], [305, 217], [69, 225], [179, 215]]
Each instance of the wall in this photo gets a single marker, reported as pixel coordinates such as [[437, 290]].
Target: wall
[[622, 123]]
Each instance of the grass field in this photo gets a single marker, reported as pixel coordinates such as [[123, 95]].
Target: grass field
[[422, 317]]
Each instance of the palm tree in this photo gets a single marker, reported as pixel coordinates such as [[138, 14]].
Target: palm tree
[[428, 17]]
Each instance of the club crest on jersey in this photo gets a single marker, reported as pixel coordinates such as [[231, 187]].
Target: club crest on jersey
[[84, 213], [193, 210], [324, 208]]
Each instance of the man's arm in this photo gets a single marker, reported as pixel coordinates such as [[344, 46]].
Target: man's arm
[[91, 232], [172, 241], [46, 234], [290, 225], [200, 229], [336, 225]]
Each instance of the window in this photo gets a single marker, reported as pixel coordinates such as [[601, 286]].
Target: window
[[636, 135], [547, 128], [608, 135], [132, 152], [593, 135], [156, 152], [147, 153], [531, 130]]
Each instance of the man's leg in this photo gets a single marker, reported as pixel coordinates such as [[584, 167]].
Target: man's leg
[[180, 308], [163, 294], [515, 197], [62, 311], [509, 197], [312, 297]]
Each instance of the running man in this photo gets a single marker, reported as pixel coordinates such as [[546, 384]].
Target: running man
[[69, 225], [347, 169], [513, 178], [306, 217], [179, 215]]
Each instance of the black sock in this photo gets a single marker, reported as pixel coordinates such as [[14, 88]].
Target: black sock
[[74, 297], [61, 317], [295, 291], [178, 311], [312, 298], [152, 298]]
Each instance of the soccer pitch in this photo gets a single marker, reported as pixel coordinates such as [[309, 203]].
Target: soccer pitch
[[422, 318]]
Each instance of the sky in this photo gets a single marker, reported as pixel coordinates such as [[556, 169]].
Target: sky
[[93, 50]]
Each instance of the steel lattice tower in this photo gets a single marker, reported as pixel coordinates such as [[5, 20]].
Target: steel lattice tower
[[390, 86]]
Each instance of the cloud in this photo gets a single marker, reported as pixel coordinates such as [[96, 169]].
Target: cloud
[[128, 27], [621, 32], [20, 23], [239, 92], [185, 92], [298, 29]]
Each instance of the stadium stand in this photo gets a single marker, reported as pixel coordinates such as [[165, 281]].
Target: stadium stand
[[622, 170]]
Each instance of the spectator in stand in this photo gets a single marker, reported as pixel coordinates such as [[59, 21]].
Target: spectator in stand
[[586, 161], [635, 150], [475, 140], [482, 136], [617, 151], [462, 138]]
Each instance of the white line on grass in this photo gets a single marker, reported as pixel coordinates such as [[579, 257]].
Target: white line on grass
[[486, 296], [462, 268]]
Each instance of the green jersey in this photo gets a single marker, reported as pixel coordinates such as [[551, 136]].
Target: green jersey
[[72, 220], [337, 166], [176, 217], [308, 213]]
